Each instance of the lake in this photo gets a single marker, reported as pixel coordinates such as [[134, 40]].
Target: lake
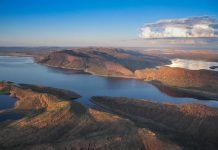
[[24, 70], [193, 64], [7, 102]]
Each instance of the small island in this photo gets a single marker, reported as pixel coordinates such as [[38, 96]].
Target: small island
[[213, 67]]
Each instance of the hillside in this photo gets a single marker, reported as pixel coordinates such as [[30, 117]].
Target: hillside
[[198, 82], [191, 125], [55, 123], [102, 61]]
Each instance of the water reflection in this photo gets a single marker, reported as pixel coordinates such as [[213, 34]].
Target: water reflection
[[6, 60], [193, 64]]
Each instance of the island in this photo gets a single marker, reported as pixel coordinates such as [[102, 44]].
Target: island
[[213, 67]]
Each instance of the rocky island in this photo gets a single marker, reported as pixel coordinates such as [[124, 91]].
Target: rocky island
[[213, 67]]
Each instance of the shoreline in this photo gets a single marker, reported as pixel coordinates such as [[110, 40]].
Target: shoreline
[[189, 93], [88, 72]]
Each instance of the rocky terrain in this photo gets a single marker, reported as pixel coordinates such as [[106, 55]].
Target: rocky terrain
[[117, 62], [202, 83], [102, 61], [192, 125], [53, 122]]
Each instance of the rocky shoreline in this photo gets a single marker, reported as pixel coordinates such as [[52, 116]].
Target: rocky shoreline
[[51, 116], [108, 62], [55, 122], [198, 83]]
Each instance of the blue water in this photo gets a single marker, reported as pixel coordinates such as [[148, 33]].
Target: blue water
[[24, 70], [6, 102], [10, 116]]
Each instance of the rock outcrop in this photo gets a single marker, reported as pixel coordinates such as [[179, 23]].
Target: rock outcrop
[[192, 125]]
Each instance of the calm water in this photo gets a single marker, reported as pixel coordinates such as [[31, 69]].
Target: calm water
[[8, 102], [23, 70], [10, 116], [193, 64]]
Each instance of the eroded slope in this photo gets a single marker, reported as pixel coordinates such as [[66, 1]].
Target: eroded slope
[[102, 61], [191, 125], [197, 82], [51, 122]]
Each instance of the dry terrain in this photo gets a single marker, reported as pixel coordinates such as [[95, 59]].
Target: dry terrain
[[55, 123], [191, 125], [102, 61], [202, 83]]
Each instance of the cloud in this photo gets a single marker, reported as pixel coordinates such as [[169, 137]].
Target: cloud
[[195, 27]]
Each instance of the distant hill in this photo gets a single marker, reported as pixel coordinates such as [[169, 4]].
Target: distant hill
[[199, 82], [103, 61], [28, 49], [204, 55]]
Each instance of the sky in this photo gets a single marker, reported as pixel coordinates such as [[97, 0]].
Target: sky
[[116, 23]]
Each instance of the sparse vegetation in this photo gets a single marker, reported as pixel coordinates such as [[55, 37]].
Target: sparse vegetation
[[56, 123]]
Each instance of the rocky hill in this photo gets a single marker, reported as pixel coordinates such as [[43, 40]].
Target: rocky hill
[[199, 82], [192, 125], [102, 61], [55, 123]]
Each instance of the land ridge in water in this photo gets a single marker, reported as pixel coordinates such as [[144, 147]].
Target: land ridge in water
[[55, 122], [201, 83], [102, 61], [192, 125], [133, 64], [51, 122]]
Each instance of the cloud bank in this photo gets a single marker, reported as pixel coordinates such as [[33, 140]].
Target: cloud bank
[[195, 27]]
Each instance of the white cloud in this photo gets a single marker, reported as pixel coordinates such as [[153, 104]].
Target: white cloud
[[195, 27], [202, 30]]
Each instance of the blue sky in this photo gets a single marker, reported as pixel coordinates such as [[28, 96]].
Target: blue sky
[[90, 22]]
